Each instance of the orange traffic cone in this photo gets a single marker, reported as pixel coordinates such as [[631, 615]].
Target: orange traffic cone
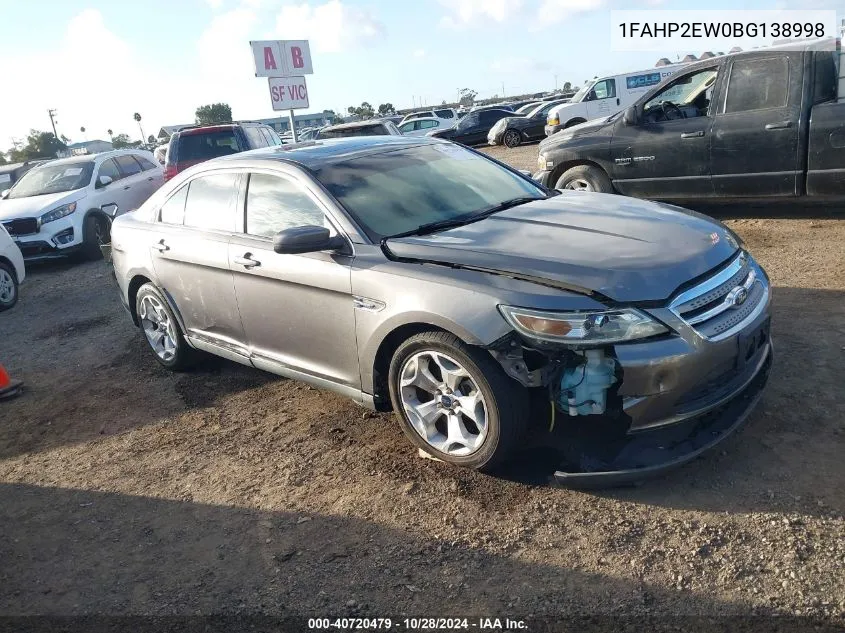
[[8, 387]]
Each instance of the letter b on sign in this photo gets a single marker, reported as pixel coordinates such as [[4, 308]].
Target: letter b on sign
[[296, 57]]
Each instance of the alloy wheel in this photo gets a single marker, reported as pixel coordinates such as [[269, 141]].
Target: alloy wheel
[[7, 287], [158, 328], [512, 138], [443, 403], [578, 184]]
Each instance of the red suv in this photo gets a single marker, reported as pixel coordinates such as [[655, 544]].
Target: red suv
[[193, 145]]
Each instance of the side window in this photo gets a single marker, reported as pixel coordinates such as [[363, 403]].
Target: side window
[[445, 114], [109, 168], [271, 134], [274, 203], [758, 84], [173, 210], [427, 125], [407, 127], [145, 164], [470, 120], [824, 88], [128, 165], [605, 89], [687, 97], [212, 201], [256, 139]]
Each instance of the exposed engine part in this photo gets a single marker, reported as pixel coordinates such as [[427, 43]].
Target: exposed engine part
[[528, 367], [583, 387]]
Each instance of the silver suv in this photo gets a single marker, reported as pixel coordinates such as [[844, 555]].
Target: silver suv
[[418, 275]]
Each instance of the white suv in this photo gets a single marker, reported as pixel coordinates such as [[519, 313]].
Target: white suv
[[65, 206], [12, 270], [447, 116]]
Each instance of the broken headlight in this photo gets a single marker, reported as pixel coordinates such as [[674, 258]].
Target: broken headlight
[[579, 328]]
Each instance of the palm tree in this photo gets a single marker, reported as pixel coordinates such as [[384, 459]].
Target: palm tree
[[111, 134], [137, 117]]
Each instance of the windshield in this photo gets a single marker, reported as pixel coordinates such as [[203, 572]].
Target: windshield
[[377, 129], [579, 96], [397, 191], [54, 178], [526, 108]]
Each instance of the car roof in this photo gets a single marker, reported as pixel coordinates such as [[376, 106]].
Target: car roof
[[81, 158], [316, 154], [354, 124]]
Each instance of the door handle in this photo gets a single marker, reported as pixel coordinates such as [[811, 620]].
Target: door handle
[[698, 134], [780, 125], [617, 100], [150, 179], [161, 246], [246, 261], [126, 187]]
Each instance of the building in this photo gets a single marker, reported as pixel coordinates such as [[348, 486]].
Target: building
[[165, 132], [282, 123], [85, 147]]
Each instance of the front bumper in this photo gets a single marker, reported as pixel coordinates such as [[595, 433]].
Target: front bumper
[[495, 138], [53, 240]]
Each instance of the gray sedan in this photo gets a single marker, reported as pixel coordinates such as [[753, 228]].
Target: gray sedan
[[490, 313]]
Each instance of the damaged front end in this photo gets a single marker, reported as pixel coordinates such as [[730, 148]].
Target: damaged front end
[[623, 395]]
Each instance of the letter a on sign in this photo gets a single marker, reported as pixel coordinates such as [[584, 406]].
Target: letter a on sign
[[269, 59]]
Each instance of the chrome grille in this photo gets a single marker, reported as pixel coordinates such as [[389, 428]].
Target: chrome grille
[[718, 306]]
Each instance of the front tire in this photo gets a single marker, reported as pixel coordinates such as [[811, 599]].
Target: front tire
[[512, 138], [585, 178], [95, 231], [161, 330], [8, 287], [455, 402]]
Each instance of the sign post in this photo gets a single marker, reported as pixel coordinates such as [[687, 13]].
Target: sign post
[[284, 62]]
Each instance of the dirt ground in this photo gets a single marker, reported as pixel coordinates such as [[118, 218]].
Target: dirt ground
[[125, 489]]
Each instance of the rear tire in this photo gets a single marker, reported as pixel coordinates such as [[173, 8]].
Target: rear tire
[[471, 412], [512, 138], [585, 178], [161, 330], [8, 287], [95, 231]]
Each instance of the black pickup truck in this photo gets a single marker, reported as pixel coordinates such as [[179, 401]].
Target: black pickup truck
[[758, 124]]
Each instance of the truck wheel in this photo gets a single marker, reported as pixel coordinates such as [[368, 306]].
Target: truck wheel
[[574, 122], [585, 178], [455, 402], [512, 138]]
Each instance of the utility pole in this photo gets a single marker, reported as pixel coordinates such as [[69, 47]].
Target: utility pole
[[503, 90], [52, 113], [555, 82]]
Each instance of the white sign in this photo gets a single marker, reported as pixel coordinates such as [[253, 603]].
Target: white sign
[[282, 58], [288, 93]]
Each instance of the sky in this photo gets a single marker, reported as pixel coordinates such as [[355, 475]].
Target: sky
[[96, 62]]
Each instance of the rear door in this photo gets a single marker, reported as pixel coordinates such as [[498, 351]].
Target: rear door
[[255, 137], [153, 175], [754, 150], [190, 252], [114, 192], [297, 310], [134, 182]]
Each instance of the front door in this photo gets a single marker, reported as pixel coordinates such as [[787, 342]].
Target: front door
[[754, 151], [666, 154], [114, 192], [297, 310], [190, 252], [602, 100]]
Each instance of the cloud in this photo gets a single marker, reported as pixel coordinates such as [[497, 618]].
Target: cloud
[[331, 27], [223, 47], [515, 65], [466, 13], [215, 4], [552, 11], [419, 53]]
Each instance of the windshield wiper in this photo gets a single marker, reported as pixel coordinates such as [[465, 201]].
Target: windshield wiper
[[461, 220]]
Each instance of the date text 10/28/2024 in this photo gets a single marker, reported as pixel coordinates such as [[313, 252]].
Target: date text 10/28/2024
[[417, 624]]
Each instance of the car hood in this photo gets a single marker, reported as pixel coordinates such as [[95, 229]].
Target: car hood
[[622, 249], [34, 206], [576, 130]]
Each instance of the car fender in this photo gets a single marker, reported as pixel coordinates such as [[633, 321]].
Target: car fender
[[578, 150]]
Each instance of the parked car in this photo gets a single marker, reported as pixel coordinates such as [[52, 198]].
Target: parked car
[[193, 145], [494, 106], [12, 172], [12, 270], [371, 127], [514, 130], [448, 116], [307, 135], [605, 96], [418, 275], [764, 123], [160, 153], [525, 109], [421, 127], [473, 128], [63, 207]]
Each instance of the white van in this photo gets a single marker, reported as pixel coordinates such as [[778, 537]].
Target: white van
[[605, 96]]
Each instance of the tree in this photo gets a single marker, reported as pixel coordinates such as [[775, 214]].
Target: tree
[[137, 118], [38, 145], [121, 141], [82, 129], [111, 133], [333, 116], [386, 109], [365, 110], [3, 160], [468, 96], [213, 113], [567, 87], [151, 139]]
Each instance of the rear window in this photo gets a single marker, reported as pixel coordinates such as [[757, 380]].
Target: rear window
[[207, 145], [361, 130], [758, 84], [128, 165], [445, 114]]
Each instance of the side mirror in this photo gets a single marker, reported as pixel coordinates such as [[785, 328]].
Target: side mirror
[[109, 209], [104, 181], [525, 173], [631, 116], [306, 239], [4, 194]]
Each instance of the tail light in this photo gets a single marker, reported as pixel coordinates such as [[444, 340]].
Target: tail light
[[169, 172]]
